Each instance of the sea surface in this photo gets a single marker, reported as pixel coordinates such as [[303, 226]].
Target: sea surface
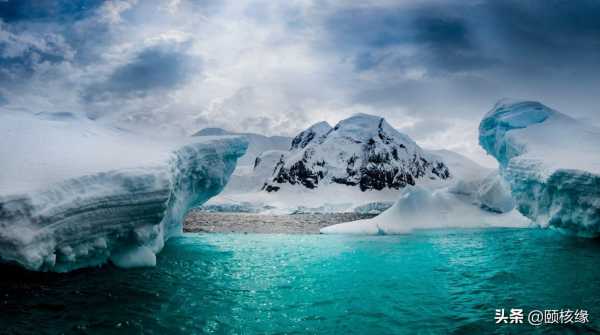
[[429, 282]]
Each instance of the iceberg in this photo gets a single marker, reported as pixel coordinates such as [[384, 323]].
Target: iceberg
[[478, 203], [551, 162], [75, 193], [477, 197]]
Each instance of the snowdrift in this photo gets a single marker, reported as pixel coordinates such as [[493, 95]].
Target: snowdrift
[[75, 194], [550, 160]]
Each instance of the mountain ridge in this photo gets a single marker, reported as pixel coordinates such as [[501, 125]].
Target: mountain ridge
[[362, 150]]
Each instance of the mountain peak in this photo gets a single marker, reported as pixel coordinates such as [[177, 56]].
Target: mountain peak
[[314, 132], [362, 150], [366, 128]]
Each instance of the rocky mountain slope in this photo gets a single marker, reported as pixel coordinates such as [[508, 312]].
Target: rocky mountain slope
[[363, 151]]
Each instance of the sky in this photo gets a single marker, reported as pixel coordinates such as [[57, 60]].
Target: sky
[[432, 68]]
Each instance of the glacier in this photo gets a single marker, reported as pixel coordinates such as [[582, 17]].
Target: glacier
[[75, 193], [551, 162]]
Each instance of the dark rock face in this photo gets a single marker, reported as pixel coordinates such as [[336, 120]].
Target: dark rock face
[[363, 151], [315, 132], [298, 173]]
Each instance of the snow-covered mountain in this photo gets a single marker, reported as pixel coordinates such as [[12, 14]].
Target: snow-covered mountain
[[257, 143], [551, 161], [363, 151], [332, 146]]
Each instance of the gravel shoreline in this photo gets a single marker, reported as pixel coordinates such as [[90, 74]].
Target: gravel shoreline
[[205, 222]]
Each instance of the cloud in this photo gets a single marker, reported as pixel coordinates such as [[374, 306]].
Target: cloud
[[47, 10], [438, 40], [24, 52], [277, 67], [157, 68], [423, 129]]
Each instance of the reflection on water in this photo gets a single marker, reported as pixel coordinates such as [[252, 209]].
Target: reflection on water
[[427, 282]]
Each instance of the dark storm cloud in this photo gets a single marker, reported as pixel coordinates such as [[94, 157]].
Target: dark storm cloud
[[460, 36], [55, 10], [36, 34], [442, 39], [474, 52], [546, 33], [154, 69]]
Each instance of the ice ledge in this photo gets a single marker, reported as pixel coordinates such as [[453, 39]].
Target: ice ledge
[[551, 162], [122, 215]]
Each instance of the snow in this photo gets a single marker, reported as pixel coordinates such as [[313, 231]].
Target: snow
[[257, 143], [422, 208], [342, 198], [297, 198], [460, 166], [252, 178], [247, 177], [362, 151], [374, 207], [312, 133], [74, 193], [476, 197], [243, 193], [551, 162]]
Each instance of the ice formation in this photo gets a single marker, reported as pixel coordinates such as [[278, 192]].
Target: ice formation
[[250, 178], [257, 143], [478, 203], [247, 176], [550, 160], [75, 194]]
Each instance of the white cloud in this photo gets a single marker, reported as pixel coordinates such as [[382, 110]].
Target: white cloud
[[264, 66]]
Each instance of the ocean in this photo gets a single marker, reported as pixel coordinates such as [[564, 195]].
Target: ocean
[[428, 282]]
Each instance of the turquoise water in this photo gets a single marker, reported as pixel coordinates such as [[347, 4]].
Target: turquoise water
[[447, 281]]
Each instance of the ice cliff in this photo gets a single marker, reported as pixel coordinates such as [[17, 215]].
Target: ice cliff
[[74, 193], [550, 160]]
